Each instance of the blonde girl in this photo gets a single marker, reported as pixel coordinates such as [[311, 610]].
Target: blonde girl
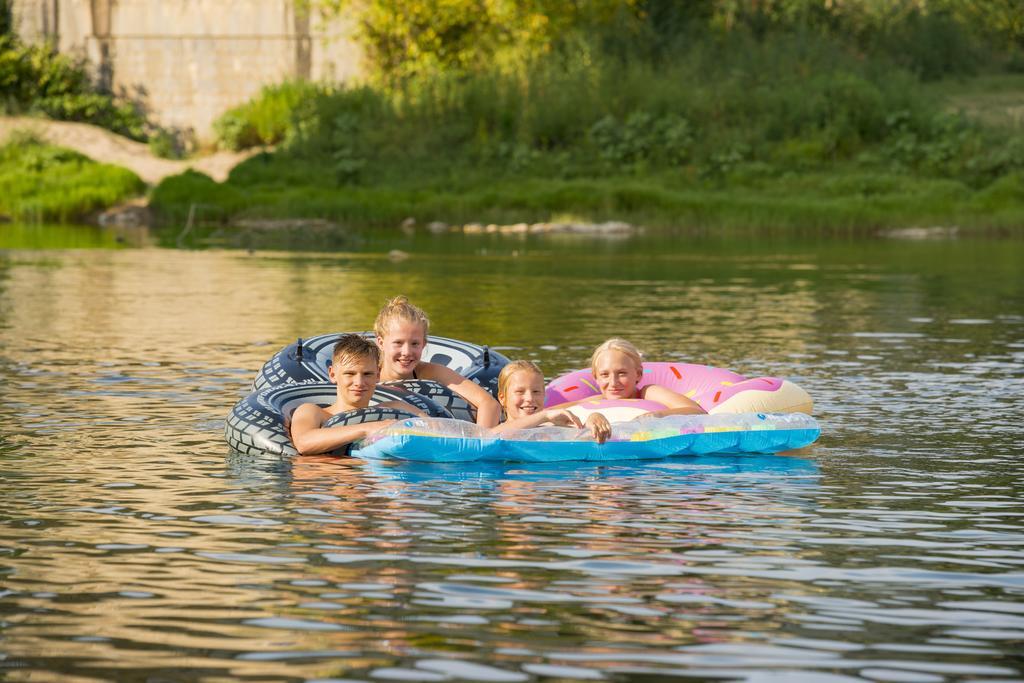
[[618, 368], [521, 395], [401, 330]]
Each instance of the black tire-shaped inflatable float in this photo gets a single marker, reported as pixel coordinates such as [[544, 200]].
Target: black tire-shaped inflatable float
[[258, 423], [309, 359], [460, 408]]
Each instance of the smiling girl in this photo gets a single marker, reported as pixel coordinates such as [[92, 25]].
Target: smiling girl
[[521, 395], [401, 330], [618, 369]]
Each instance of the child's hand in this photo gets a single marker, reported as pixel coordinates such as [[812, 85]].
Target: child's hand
[[599, 427], [562, 418]]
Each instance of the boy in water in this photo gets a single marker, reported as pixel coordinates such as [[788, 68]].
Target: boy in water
[[355, 370]]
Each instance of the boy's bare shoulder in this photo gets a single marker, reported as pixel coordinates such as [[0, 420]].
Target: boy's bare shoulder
[[311, 411]]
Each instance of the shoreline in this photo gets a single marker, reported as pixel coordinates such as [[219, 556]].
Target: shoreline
[[841, 198]]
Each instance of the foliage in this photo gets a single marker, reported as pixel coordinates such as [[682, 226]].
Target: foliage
[[175, 196], [6, 18], [405, 38], [40, 182], [167, 144], [496, 109], [571, 116], [1002, 20], [265, 119], [35, 79], [641, 137]]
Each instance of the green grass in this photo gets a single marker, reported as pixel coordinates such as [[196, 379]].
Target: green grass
[[43, 183], [846, 198], [995, 100]]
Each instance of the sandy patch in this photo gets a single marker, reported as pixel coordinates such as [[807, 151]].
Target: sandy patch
[[101, 145]]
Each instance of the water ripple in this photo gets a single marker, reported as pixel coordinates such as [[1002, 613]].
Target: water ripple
[[134, 547]]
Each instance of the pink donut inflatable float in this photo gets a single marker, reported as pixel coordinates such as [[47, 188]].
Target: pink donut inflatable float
[[716, 390], [616, 410]]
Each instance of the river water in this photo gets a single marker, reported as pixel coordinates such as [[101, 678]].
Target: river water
[[135, 547]]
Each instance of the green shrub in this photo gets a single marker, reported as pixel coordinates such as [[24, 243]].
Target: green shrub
[[40, 182], [167, 145], [932, 44], [1006, 192], [267, 118], [34, 79], [173, 198], [643, 138]]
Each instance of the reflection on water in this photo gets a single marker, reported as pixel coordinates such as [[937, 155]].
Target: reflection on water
[[41, 236], [135, 547]]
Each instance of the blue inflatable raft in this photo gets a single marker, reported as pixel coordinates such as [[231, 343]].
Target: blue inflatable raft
[[445, 440]]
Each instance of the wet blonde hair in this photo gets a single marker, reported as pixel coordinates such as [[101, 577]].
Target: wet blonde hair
[[400, 309], [620, 345], [512, 368], [351, 347]]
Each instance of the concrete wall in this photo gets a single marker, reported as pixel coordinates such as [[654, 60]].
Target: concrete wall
[[188, 61]]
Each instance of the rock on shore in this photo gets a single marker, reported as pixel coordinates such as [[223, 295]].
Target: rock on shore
[[606, 229]]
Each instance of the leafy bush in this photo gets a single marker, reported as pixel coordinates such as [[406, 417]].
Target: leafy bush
[[265, 119], [168, 144], [642, 137], [174, 197], [34, 79]]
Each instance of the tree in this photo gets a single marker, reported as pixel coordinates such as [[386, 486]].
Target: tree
[[407, 37]]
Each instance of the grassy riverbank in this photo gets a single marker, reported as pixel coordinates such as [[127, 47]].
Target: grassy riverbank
[[847, 198], [790, 132], [41, 182]]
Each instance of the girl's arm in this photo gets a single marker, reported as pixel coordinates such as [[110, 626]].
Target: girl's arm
[[309, 437], [675, 403], [556, 416], [597, 424], [487, 409]]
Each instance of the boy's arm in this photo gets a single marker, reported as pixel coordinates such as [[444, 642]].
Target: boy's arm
[[487, 409], [309, 437], [675, 403]]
